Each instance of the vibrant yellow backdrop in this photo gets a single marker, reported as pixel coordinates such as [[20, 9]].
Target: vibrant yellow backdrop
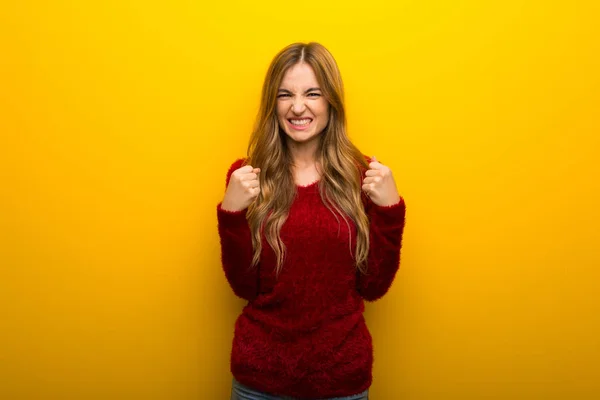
[[118, 120]]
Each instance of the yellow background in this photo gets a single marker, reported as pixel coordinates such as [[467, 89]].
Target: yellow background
[[118, 120]]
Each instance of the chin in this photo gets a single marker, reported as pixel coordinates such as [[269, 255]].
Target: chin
[[304, 137]]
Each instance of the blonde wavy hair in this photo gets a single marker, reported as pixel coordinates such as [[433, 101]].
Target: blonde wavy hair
[[339, 160]]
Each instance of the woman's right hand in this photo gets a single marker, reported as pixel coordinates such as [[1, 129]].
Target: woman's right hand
[[243, 188]]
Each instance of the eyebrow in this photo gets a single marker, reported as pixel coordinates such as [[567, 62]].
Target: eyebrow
[[306, 91]]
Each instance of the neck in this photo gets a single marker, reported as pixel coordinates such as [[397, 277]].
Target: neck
[[304, 155], [304, 161]]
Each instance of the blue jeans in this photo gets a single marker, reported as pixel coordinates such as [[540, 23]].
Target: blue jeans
[[242, 392]]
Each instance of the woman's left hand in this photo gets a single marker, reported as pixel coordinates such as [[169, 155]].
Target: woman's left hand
[[379, 184]]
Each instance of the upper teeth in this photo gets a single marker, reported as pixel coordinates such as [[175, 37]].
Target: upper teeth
[[300, 121]]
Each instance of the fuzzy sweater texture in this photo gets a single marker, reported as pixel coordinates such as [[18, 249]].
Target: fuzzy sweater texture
[[302, 334]]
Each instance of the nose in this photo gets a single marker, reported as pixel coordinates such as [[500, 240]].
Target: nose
[[298, 106]]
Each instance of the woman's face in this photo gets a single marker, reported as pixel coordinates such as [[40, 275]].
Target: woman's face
[[302, 110]]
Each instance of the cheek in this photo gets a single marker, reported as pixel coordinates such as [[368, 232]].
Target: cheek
[[280, 110], [324, 111]]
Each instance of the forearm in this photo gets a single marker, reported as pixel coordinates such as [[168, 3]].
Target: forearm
[[385, 232], [237, 253]]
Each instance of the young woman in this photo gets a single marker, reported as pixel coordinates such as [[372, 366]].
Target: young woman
[[309, 229]]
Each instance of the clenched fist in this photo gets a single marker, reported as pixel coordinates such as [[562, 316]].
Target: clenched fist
[[243, 188], [379, 184]]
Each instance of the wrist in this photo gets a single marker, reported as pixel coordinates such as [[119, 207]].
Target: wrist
[[227, 206]]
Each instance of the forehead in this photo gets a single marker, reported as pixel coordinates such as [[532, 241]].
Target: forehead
[[300, 76]]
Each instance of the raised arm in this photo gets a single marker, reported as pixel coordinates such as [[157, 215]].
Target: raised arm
[[386, 212], [234, 232]]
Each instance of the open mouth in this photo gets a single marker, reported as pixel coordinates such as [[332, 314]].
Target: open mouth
[[299, 123]]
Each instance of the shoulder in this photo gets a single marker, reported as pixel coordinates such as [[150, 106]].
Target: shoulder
[[239, 163]]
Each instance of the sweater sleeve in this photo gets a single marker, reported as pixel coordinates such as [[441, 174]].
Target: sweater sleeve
[[385, 231], [236, 248]]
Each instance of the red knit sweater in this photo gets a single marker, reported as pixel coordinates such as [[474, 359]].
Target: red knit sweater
[[303, 334]]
